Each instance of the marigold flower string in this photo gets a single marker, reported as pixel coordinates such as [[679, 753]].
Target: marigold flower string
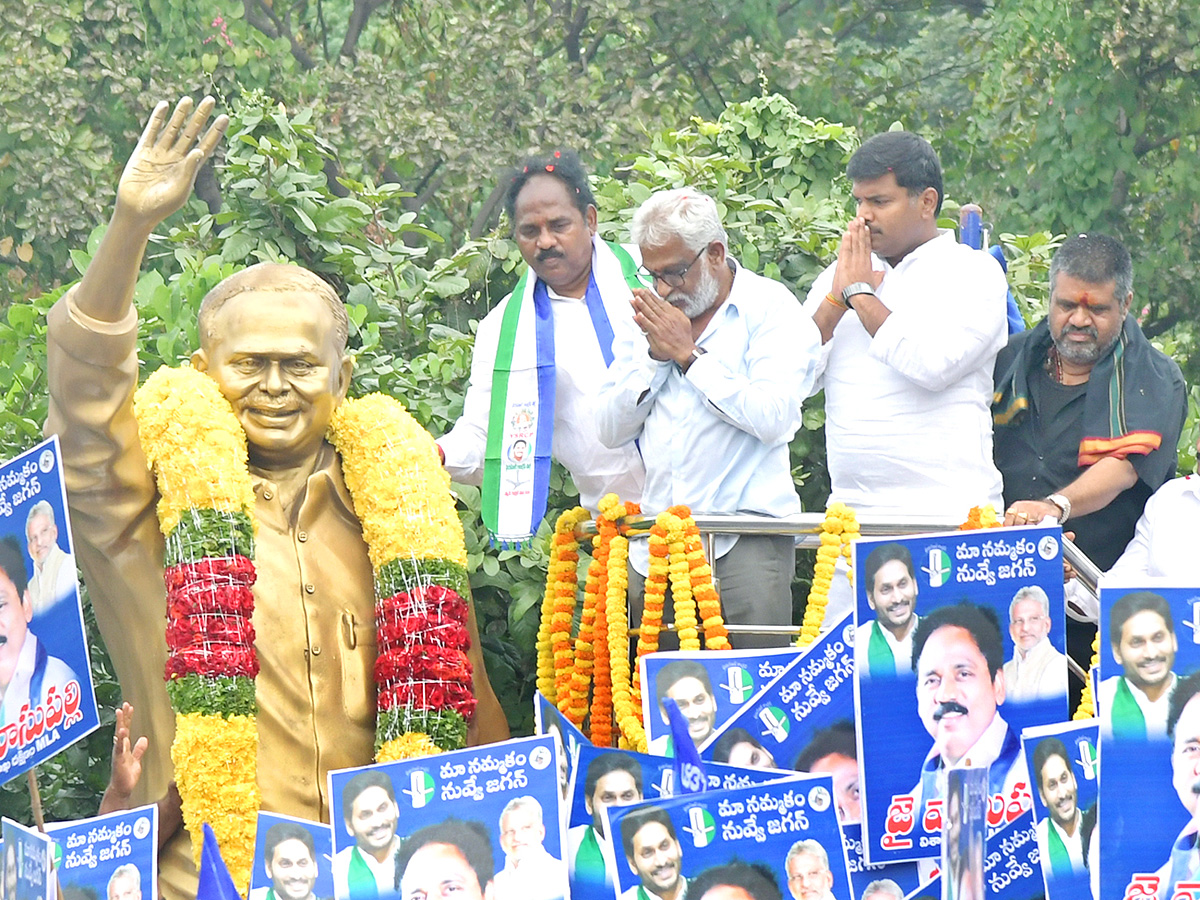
[[838, 531], [980, 517], [1087, 703], [562, 582]]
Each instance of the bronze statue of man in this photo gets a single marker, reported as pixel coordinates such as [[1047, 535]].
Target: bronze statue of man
[[273, 337]]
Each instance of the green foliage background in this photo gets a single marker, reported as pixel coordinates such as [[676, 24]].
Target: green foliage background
[[370, 137]]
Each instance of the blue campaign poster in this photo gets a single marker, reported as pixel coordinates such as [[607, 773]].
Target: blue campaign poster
[[45, 679], [292, 859], [1149, 741], [1011, 868], [605, 777], [113, 856], [813, 693], [709, 686], [485, 818], [567, 741], [1064, 765], [28, 863], [771, 840], [960, 644]]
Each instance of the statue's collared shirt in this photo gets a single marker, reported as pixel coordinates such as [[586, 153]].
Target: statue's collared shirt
[[1040, 675], [314, 598]]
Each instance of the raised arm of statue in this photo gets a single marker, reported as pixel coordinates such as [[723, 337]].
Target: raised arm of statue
[[156, 182]]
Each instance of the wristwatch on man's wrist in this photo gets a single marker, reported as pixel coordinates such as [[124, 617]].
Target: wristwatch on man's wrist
[[1063, 504], [859, 287]]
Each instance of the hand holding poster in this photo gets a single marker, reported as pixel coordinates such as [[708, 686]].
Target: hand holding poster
[[946, 623], [45, 680]]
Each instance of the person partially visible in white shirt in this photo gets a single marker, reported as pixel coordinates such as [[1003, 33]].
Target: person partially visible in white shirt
[[1163, 544], [911, 322], [713, 397], [53, 576], [1037, 671], [530, 872]]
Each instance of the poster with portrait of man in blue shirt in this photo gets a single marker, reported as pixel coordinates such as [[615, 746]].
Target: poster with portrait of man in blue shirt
[[972, 603]]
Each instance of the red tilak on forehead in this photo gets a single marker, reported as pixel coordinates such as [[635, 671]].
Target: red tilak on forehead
[[1085, 299]]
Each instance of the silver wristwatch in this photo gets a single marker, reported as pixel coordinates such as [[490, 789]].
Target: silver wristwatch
[[1063, 504], [859, 287]]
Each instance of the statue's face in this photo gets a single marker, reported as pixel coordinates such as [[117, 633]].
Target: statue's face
[[276, 359]]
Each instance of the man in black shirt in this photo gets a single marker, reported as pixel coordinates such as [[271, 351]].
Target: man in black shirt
[[1086, 412]]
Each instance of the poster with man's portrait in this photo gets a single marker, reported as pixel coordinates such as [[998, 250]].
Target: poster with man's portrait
[[768, 842], [28, 863], [45, 678], [483, 821], [960, 643], [708, 686], [292, 859], [1148, 700], [109, 857], [1064, 763]]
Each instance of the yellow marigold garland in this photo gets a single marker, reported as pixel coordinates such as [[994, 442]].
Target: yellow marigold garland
[[1087, 703], [216, 770], [401, 495], [196, 447], [838, 531], [194, 443]]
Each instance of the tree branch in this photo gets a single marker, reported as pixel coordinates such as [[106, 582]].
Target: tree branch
[[263, 17], [489, 213], [358, 22]]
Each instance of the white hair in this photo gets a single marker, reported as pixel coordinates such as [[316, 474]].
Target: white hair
[[811, 847], [884, 886], [1029, 592], [684, 212], [518, 803]]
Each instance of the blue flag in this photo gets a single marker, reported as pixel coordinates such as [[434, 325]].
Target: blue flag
[[215, 881], [689, 770]]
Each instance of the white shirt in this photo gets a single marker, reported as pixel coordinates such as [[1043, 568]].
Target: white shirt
[[1041, 675], [901, 649], [540, 877], [384, 872], [53, 580], [16, 694], [984, 752], [908, 422], [575, 838], [717, 437], [1164, 542], [1154, 711], [1073, 844], [579, 373]]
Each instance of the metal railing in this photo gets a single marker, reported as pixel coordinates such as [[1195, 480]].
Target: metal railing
[[807, 527]]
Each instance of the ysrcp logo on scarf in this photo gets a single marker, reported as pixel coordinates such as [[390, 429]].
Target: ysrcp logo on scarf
[[700, 826], [938, 567]]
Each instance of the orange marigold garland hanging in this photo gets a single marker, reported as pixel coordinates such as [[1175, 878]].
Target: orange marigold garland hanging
[[838, 531], [980, 517], [558, 604]]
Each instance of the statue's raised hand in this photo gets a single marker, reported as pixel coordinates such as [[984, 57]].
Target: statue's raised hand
[[159, 175]]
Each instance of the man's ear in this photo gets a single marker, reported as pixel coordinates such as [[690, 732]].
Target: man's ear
[[345, 373], [200, 361], [590, 218], [998, 686], [927, 202], [1128, 303]]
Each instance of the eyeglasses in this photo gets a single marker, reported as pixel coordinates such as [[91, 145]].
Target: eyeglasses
[[673, 278]]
